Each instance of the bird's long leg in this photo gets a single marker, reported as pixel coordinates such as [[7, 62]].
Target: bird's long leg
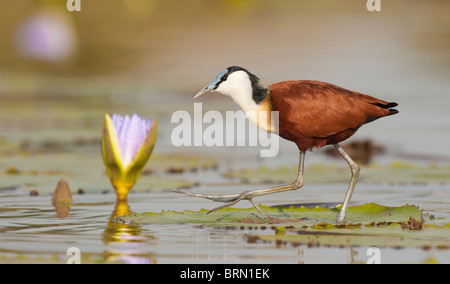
[[249, 195], [355, 174]]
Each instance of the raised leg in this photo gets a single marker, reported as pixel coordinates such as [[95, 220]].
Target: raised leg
[[355, 174], [232, 199]]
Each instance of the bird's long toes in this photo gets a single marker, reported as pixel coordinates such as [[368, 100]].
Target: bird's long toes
[[215, 198], [189, 193], [222, 207], [223, 200]]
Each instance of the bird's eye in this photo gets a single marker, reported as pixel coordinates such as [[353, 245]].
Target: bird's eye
[[223, 78]]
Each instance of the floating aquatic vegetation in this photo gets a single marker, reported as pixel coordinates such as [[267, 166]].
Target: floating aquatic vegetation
[[388, 236], [127, 143], [292, 216], [369, 224], [11, 170]]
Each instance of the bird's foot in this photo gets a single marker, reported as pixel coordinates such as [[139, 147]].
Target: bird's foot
[[230, 200]]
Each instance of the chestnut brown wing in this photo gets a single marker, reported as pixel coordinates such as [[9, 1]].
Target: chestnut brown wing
[[318, 109]]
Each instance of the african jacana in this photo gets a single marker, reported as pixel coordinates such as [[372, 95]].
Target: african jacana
[[312, 114]]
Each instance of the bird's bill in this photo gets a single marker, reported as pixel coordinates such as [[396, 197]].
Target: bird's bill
[[211, 87], [203, 91]]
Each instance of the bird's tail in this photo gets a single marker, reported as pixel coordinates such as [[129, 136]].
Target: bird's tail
[[392, 111], [386, 106], [389, 107]]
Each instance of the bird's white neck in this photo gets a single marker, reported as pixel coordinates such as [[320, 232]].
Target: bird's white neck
[[238, 86], [261, 115]]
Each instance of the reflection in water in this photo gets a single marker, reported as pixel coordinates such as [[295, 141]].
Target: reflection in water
[[62, 210], [126, 244]]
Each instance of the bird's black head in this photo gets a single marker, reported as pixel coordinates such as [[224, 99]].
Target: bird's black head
[[235, 81]]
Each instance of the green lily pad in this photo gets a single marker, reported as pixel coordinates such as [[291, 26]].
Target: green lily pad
[[392, 235], [294, 217], [369, 225]]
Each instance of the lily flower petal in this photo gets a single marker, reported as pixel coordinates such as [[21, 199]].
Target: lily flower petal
[[131, 132], [127, 143]]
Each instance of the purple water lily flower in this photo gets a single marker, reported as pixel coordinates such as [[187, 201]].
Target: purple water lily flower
[[127, 143], [131, 133]]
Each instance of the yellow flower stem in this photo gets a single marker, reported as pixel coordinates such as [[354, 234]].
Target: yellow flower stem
[[122, 190]]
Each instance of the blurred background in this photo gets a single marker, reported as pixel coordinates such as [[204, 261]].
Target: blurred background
[[60, 71]]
